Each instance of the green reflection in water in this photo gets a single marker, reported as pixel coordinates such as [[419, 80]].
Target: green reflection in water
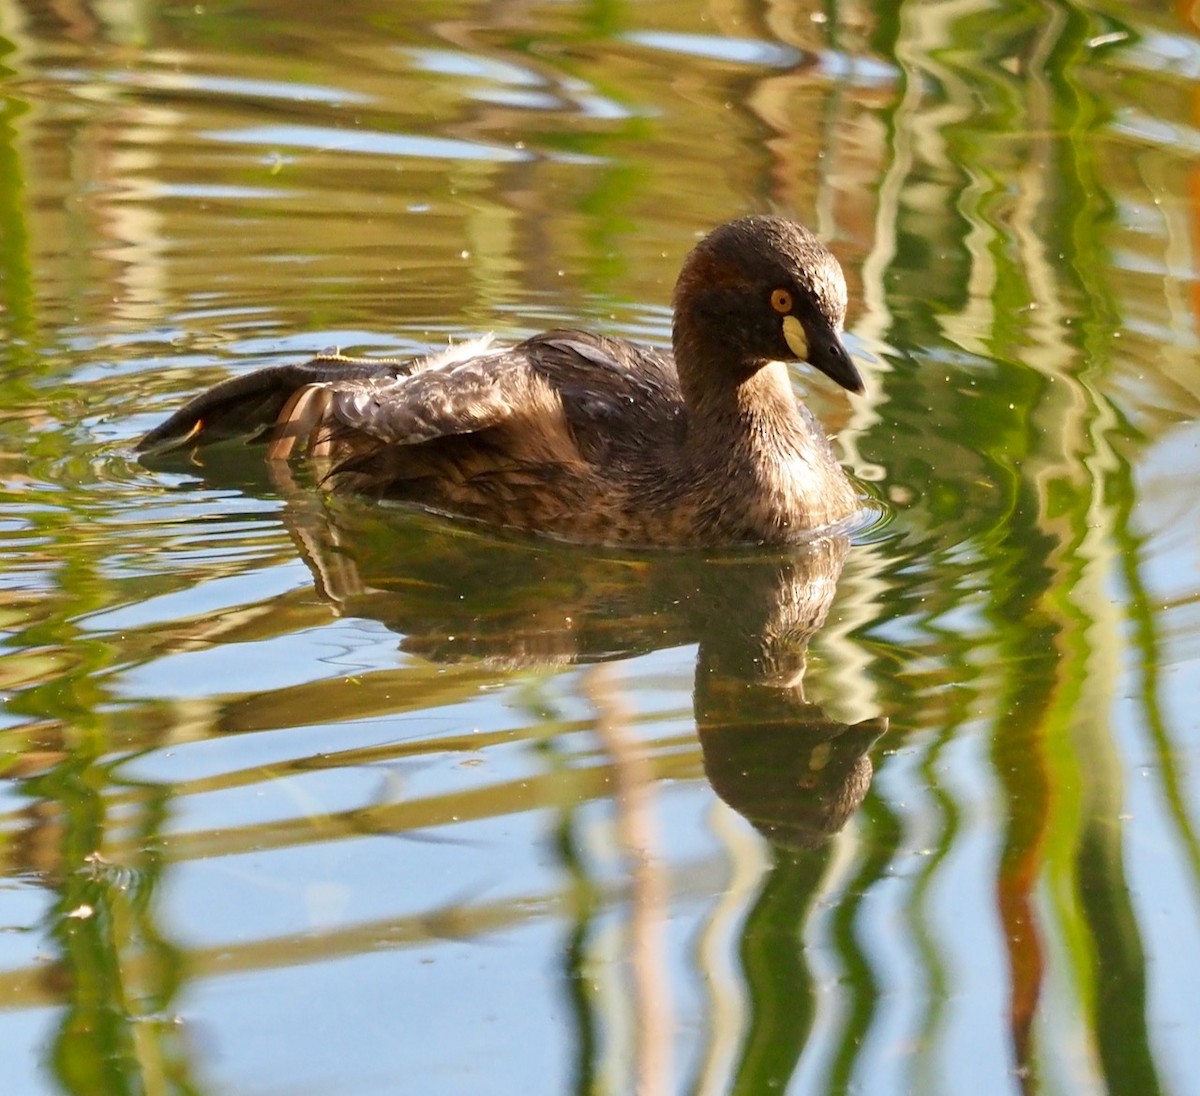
[[861, 983], [1061, 482], [16, 291], [777, 977], [577, 975], [119, 975]]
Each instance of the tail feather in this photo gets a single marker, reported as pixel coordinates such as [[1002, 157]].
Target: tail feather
[[251, 405]]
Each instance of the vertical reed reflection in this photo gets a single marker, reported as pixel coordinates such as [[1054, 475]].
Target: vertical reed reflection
[[1030, 295], [633, 804], [577, 976], [114, 972], [16, 290], [778, 980]]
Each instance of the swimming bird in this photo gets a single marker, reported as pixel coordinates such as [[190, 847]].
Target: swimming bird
[[583, 436]]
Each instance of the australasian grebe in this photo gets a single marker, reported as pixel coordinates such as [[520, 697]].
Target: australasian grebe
[[583, 436]]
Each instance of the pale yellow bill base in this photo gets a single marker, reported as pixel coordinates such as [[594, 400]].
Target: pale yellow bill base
[[793, 334], [825, 353]]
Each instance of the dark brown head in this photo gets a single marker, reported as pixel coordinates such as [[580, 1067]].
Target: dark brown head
[[762, 289]]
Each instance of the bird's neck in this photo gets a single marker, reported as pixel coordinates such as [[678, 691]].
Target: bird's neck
[[763, 456], [741, 415]]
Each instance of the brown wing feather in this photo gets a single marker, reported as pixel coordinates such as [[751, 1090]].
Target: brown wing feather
[[619, 399], [464, 429], [304, 416], [250, 404], [467, 398]]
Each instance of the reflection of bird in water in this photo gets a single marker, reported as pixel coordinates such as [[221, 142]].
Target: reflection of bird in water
[[795, 774], [591, 438], [455, 595]]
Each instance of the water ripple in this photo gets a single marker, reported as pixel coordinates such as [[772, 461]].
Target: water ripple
[[743, 51], [369, 142], [209, 84]]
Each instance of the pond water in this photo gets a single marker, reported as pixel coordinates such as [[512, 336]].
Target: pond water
[[309, 796]]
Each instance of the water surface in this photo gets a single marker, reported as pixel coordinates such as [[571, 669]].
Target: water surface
[[313, 796]]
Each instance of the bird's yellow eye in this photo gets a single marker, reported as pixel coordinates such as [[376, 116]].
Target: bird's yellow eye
[[781, 301]]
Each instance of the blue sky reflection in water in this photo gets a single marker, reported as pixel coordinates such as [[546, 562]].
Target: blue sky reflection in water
[[326, 797]]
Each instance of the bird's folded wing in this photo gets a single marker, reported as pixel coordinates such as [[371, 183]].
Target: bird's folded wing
[[434, 403], [252, 403]]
